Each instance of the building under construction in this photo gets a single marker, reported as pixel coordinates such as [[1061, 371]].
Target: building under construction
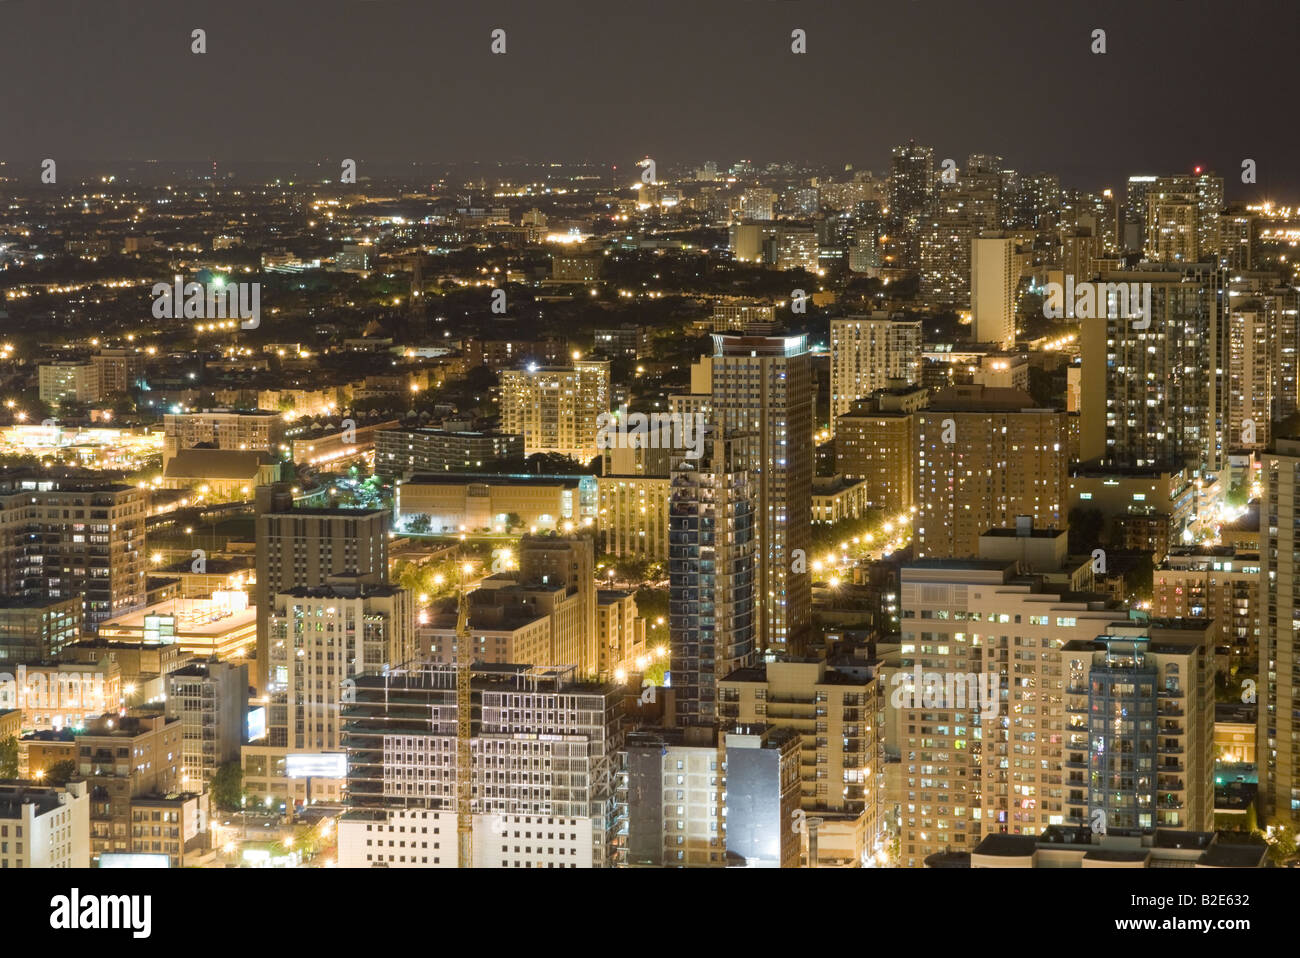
[[542, 798]]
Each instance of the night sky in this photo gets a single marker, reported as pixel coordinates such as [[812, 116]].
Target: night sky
[[1184, 82]]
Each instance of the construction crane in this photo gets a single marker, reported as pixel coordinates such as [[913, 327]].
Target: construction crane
[[464, 729]]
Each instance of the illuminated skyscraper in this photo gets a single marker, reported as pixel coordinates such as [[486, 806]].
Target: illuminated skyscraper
[[911, 193], [867, 352], [1135, 212], [711, 574], [994, 277], [1146, 396], [1279, 665], [1171, 220], [984, 457], [304, 548], [763, 385]]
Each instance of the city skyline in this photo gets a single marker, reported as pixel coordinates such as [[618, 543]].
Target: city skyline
[[766, 434]]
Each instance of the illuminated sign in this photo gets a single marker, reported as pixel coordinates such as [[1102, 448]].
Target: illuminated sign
[[257, 723], [133, 860], [317, 765]]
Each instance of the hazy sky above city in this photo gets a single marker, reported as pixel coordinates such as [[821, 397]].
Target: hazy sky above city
[[1183, 82]]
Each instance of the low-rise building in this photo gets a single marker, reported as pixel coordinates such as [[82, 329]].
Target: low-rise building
[[1065, 847], [836, 497], [224, 625], [405, 452], [173, 824], [44, 827], [468, 503], [125, 758], [60, 695], [232, 430], [220, 474], [38, 752], [620, 635]]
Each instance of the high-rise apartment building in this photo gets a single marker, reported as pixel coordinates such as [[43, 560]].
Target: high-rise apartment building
[[120, 371], [1146, 395], [1279, 663], [1209, 206], [304, 548], [1261, 350], [1252, 350], [1219, 583], [405, 452], [569, 562], [944, 251], [322, 636], [621, 636], [833, 707], [546, 776], [1286, 357], [36, 629], [867, 352], [995, 274], [1182, 218], [797, 248], [762, 795], [734, 315], [632, 515], [1171, 220], [911, 194], [745, 240], [555, 408], [676, 791], [763, 386], [1135, 211], [974, 708], [211, 701], [983, 457], [62, 537], [874, 444], [1139, 734], [68, 381], [1237, 242], [713, 576], [758, 203], [1039, 201]]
